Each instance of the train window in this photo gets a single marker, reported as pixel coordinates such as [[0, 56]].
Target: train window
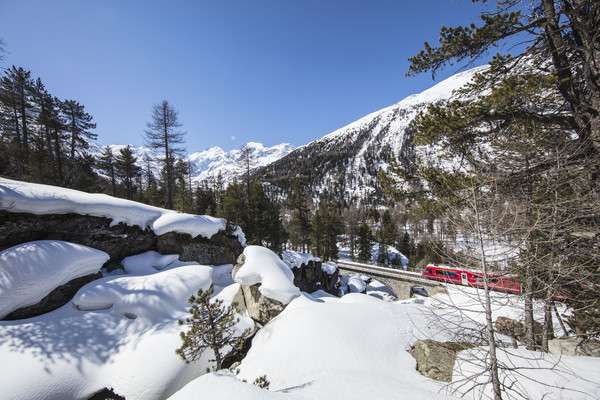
[[451, 274], [426, 271], [493, 279], [479, 278], [438, 272]]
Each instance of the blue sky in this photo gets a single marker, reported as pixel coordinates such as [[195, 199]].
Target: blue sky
[[269, 71]]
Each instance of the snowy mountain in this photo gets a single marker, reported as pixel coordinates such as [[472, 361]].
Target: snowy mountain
[[345, 162], [209, 163]]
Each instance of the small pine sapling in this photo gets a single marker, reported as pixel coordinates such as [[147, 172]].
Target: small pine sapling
[[211, 326]]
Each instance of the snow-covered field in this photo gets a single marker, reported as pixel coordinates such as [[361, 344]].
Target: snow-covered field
[[121, 331]]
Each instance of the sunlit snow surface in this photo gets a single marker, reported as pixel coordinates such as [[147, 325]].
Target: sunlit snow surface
[[30, 271], [119, 332], [356, 348]]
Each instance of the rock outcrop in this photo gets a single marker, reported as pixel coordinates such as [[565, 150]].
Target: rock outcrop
[[55, 299], [260, 308], [436, 360], [573, 346], [118, 241], [310, 277], [517, 331]]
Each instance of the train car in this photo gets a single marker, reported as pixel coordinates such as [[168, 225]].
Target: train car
[[458, 276]]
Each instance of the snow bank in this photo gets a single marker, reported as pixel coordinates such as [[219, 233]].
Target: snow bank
[[123, 336], [43, 199], [295, 260], [265, 267], [350, 348], [29, 271]]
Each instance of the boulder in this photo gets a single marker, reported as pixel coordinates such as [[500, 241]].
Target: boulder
[[573, 346], [516, 330], [118, 241], [260, 308], [436, 360]]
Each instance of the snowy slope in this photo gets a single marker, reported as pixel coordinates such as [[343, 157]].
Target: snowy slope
[[347, 160]]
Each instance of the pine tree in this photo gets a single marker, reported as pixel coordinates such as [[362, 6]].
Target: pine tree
[[326, 226], [299, 225], [386, 237], [15, 88], [211, 326], [127, 170], [365, 244], [77, 123], [233, 206], [106, 163], [163, 133]]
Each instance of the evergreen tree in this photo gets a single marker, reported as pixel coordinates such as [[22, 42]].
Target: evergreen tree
[[299, 225], [326, 226], [205, 199], [106, 163], [233, 206], [163, 133], [15, 88], [77, 124], [263, 225], [365, 244], [211, 326], [127, 170], [386, 237]]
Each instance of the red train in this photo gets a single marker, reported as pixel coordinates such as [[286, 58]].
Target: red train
[[444, 273]]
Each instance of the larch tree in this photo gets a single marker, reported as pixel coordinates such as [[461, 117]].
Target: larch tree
[[538, 113], [163, 133]]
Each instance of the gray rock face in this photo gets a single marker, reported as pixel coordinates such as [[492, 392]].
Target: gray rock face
[[118, 241], [574, 347], [310, 278], [436, 360], [260, 308]]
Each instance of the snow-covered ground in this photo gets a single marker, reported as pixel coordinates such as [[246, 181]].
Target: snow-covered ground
[[121, 331]]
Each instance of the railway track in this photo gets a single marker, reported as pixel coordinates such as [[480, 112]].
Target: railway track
[[374, 270]]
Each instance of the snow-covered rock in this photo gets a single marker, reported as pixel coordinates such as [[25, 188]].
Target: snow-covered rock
[[29, 271], [264, 267], [44, 199]]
